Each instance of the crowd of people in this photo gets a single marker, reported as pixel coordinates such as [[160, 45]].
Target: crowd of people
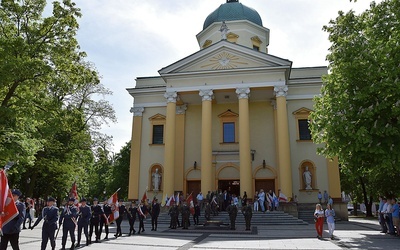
[[212, 204], [388, 213], [91, 219]]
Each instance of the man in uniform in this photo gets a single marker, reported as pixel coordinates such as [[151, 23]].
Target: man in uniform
[[248, 213], [155, 212], [207, 211], [185, 216], [12, 229], [173, 211], [105, 219], [83, 222], [232, 211], [132, 212], [141, 213], [196, 214], [97, 213], [122, 211], [50, 216], [68, 220]]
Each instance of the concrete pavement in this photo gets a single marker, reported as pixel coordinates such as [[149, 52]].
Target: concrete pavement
[[355, 234]]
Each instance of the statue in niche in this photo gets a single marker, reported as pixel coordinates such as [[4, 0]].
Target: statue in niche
[[307, 178], [156, 179]]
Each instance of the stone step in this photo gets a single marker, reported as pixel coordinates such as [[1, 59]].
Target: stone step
[[306, 215], [270, 218]]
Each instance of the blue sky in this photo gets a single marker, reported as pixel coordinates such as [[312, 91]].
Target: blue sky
[[126, 39]]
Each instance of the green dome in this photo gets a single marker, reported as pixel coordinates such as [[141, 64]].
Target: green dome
[[232, 10]]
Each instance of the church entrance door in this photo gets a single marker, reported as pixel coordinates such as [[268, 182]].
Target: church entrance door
[[195, 187], [232, 186], [266, 184]]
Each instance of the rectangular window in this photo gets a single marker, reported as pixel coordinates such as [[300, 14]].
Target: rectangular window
[[304, 130], [229, 132], [256, 48], [158, 134]]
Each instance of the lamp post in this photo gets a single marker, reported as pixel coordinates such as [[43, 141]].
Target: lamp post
[[252, 151]]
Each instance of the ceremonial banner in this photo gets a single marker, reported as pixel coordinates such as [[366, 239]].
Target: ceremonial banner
[[171, 201], [282, 197], [189, 201], [7, 204], [73, 193], [144, 198], [113, 202]]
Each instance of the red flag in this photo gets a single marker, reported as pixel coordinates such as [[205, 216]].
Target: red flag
[[7, 204], [113, 202], [144, 198], [189, 201], [73, 193]]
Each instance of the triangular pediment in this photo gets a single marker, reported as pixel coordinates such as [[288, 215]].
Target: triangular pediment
[[228, 113], [302, 111], [222, 56], [157, 117]]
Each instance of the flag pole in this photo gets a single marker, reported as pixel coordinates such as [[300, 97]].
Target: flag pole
[[115, 192]]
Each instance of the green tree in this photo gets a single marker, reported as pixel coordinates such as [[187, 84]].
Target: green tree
[[119, 174], [50, 110], [357, 116]]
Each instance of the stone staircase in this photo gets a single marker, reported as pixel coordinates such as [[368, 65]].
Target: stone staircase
[[306, 212], [259, 218]]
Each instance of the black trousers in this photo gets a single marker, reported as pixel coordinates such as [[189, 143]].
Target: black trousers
[[103, 223], [85, 231], [95, 225], [141, 224], [132, 225], [119, 230], [154, 222], [196, 219], [12, 238], [71, 231], [48, 234]]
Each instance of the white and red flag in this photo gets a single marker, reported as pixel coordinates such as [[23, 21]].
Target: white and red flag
[[144, 197], [190, 203], [8, 209], [170, 201], [73, 193], [113, 202], [282, 197]]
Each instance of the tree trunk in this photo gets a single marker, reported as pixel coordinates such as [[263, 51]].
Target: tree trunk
[[368, 205], [355, 208]]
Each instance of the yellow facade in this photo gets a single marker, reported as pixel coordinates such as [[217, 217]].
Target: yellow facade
[[228, 118]]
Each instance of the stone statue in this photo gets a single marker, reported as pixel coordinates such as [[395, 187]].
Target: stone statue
[[156, 180], [307, 178], [224, 30]]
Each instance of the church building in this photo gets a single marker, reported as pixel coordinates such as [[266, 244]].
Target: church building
[[230, 117]]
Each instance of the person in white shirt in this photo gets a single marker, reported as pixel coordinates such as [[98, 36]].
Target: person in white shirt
[[261, 199], [330, 219], [388, 216], [200, 198], [319, 220]]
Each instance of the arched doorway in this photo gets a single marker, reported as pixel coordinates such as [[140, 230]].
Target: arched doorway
[[265, 177], [193, 183], [229, 179]]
